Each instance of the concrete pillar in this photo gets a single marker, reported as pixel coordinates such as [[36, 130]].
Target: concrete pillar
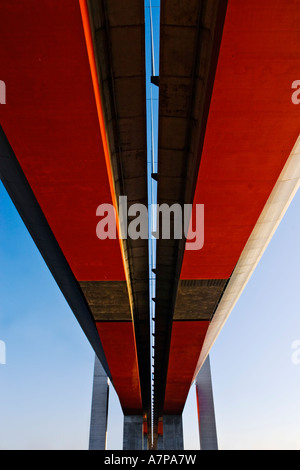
[[160, 442], [98, 425], [172, 432], [145, 442], [133, 432], [206, 410]]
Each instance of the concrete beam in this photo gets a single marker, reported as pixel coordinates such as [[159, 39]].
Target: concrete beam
[[190, 36], [119, 45], [206, 411], [98, 426]]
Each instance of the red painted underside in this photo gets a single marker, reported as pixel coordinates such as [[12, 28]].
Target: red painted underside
[[187, 339], [118, 339], [252, 128], [52, 124]]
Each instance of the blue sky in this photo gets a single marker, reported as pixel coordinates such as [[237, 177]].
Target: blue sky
[[46, 383]]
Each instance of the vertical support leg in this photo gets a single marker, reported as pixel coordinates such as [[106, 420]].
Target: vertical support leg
[[160, 442], [173, 432], [98, 426], [133, 432], [145, 442], [206, 410]]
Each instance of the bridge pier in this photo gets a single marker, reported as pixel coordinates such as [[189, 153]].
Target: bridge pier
[[98, 425], [160, 442], [206, 410], [133, 438], [172, 432]]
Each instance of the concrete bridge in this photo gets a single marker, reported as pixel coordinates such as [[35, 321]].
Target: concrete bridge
[[74, 136]]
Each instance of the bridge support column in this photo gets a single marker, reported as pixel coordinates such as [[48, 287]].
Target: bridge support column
[[206, 410], [160, 442], [172, 432], [145, 441], [133, 432], [98, 425]]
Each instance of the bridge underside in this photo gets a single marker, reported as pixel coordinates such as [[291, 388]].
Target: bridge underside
[[74, 136]]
